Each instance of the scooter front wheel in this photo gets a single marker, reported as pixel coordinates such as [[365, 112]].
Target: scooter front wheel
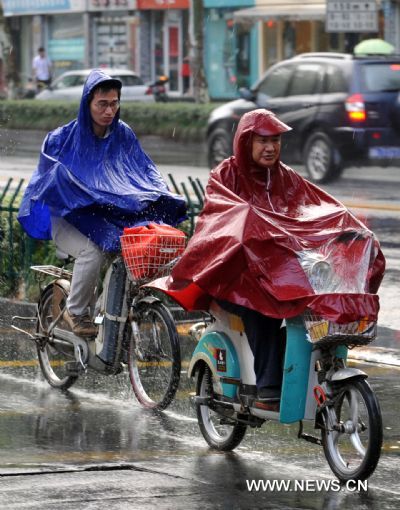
[[221, 433], [352, 432]]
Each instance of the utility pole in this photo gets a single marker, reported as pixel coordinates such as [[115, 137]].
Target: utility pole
[[196, 51]]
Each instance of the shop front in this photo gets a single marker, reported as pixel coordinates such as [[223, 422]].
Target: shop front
[[76, 34], [114, 34], [164, 42], [290, 27], [58, 25], [230, 49]]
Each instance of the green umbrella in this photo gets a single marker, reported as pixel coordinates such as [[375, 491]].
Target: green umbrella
[[373, 47]]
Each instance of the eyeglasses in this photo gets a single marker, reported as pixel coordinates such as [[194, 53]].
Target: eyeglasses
[[103, 105]]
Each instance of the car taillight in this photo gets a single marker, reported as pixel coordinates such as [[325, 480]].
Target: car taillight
[[149, 91], [355, 108]]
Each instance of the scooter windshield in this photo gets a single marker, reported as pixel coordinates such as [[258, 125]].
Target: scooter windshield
[[341, 265]]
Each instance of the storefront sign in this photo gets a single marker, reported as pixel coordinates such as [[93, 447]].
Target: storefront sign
[[111, 5], [16, 7], [351, 16], [162, 4], [225, 4]]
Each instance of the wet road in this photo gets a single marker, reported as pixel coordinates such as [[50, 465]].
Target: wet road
[[94, 447]]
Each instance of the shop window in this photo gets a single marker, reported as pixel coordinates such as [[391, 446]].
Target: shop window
[[173, 44], [158, 31], [289, 40], [112, 42], [66, 44], [243, 57]]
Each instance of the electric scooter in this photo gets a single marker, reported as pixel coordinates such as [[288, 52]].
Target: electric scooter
[[317, 384]]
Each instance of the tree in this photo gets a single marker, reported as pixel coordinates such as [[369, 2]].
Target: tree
[[196, 51]]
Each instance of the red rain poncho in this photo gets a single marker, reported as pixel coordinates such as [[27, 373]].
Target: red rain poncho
[[253, 232]]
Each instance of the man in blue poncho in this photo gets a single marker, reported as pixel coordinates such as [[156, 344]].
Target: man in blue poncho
[[93, 179]]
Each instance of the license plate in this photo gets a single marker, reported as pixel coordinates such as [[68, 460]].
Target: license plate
[[384, 152]]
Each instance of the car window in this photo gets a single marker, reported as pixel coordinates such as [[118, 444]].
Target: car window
[[129, 81], [67, 81], [335, 80], [80, 80], [276, 82], [380, 77], [307, 79]]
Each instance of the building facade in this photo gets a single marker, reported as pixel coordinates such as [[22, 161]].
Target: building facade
[[164, 43], [146, 36], [230, 49], [242, 38]]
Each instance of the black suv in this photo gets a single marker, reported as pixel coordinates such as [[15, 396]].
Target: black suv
[[344, 110]]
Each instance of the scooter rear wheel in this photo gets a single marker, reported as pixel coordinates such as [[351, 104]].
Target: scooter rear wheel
[[154, 358], [222, 436], [53, 354], [353, 447]]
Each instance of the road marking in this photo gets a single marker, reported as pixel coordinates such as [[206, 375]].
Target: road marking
[[25, 363], [377, 207], [35, 363]]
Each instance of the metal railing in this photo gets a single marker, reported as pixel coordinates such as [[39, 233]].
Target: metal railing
[[16, 248], [194, 197], [18, 251]]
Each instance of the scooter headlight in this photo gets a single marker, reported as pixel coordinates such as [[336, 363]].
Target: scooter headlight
[[321, 276]]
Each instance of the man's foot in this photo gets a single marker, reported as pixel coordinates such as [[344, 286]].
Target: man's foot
[[269, 394], [81, 325]]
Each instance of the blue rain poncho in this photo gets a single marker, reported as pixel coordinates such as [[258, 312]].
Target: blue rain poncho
[[99, 185]]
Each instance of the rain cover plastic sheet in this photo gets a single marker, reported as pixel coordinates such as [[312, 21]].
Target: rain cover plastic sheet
[[99, 185], [258, 238]]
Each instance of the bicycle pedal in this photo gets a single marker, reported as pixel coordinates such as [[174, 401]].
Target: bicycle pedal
[[117, 370]]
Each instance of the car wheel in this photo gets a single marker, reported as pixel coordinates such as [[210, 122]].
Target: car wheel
[[321, 158], [219, 146]]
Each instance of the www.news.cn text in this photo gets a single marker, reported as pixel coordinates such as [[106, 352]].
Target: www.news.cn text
[[306, 485]]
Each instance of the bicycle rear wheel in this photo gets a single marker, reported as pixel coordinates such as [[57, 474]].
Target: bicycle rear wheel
[[154, 358], [53, 354]]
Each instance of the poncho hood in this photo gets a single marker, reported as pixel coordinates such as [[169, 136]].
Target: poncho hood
[[256, 235], [261, 122], [99, 185]]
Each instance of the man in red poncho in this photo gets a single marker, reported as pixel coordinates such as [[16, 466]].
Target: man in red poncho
[[260, 217]]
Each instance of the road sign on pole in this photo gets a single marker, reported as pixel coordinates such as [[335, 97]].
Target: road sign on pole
[[351, 16]]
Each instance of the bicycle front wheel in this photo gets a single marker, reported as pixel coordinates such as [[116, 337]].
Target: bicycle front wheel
[[154, 358], [53, 354]]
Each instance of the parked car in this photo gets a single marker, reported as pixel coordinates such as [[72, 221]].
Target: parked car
[[69, 85], [344, 110]]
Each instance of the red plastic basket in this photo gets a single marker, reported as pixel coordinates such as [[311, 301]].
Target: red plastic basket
[[148, 254]]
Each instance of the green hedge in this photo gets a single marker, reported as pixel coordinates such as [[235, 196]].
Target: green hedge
[[180, 120]]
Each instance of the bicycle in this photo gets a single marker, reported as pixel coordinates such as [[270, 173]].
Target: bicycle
[[136, 328]]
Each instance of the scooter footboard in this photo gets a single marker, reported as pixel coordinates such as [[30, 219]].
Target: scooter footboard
[[296, 372], [218, 352]]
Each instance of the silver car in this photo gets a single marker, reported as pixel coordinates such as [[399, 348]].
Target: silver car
[[69, 86]]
